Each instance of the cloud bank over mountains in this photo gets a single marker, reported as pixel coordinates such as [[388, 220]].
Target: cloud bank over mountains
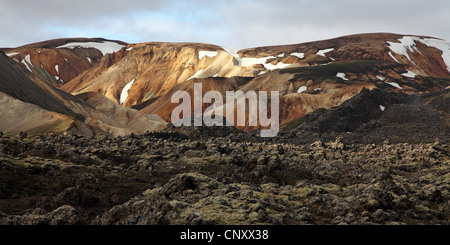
[[235, 24]]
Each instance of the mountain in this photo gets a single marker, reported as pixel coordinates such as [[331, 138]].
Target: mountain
[[27, 105], [60, 60], [152, 69], [423, 55], [309, 76], [31, 105]]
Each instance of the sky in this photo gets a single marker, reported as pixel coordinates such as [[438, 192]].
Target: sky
[[235, 24]]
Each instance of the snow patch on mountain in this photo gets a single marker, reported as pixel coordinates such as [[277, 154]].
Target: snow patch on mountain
[[27, 61], [302, 89], [210, 54], [392, 56], [106, 47], [342, 76], [441, 45], [250, 61], [255, 61], [409, 74], [57, 69], [125, 90], [59, 79], [324, 51], [299, 55], [12, 54], [406, 43], [280, 65], [394, 85]]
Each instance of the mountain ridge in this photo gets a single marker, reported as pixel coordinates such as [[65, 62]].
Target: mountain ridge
[[309, 76]]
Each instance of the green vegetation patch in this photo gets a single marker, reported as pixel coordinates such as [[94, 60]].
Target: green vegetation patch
[[57, 126], [292, 124]]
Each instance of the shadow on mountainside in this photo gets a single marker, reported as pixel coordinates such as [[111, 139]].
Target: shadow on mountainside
[[375, 116]]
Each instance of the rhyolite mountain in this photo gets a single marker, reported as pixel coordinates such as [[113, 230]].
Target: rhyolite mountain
[[58, 61], [29, 104], [143, 76]]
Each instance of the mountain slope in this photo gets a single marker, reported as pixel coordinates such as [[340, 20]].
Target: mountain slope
[[133, 120], [163, 107], [375, 116], [36, 107], [426, 56], [60, 60], [152, 69], [15, 82]]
